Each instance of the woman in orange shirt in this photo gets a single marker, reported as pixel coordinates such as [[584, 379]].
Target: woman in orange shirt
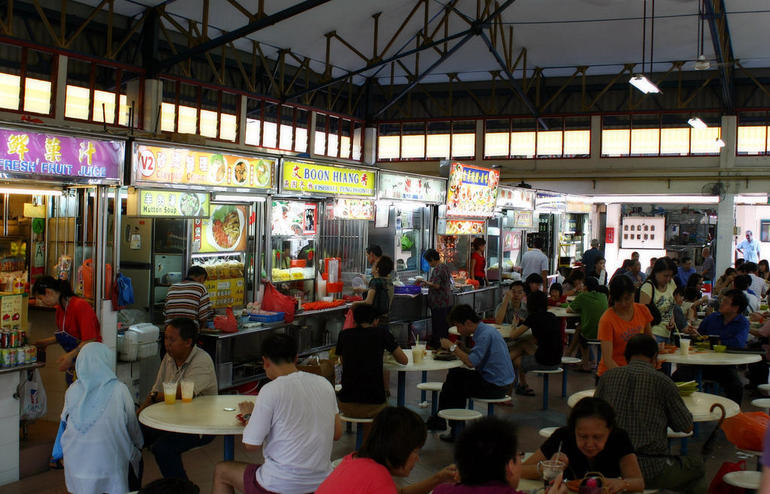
[[620, 322]]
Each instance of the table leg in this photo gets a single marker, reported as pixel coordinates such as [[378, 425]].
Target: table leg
[[401, 393], [424, 376], [229, 448]]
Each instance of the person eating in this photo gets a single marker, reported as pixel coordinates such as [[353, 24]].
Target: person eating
[[512, 309]]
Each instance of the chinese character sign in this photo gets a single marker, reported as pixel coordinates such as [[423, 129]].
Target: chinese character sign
[[38, 156], [472, 191]]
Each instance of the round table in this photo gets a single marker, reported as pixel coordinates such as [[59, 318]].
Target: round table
[[209, 415], [427, 364], [697, 403], [708, 357], [562, 312]]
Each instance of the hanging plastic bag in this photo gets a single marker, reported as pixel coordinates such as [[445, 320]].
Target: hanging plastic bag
[[57, 453], [349, 321], [33, 403], [719, 486], [746, 430], [275, 301]]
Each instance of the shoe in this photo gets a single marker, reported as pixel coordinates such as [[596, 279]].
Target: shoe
[[447, 437], [435, 423], [524, 391]]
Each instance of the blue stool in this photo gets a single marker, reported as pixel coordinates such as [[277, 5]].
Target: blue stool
[[565, 361], [545, 373], [359, 428]]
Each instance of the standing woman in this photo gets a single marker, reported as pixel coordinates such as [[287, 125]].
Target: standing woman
[[76, 322], [439, 296], [478, 262], [659, 289]]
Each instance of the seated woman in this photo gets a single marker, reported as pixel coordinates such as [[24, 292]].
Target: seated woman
[[574, 283], [488, 460], [378, 295], [542, 351], [556, 295], [360, 350], [591, 442], [102, 435], [391, 450]]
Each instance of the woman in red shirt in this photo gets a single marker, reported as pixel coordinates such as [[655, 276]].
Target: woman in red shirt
[[76, 321], [478, 262]]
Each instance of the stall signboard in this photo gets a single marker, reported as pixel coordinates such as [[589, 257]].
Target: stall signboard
[[523, 219], [551, 202], [353, 209], [197, 167], [578, 206], [412, 188], [224, 231], [312, 178], [294, 218], [515, 198], [44, 156], [472, 191], [173, 204], [464, 227]]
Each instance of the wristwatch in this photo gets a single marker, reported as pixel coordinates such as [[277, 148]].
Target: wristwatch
[[453, 348]]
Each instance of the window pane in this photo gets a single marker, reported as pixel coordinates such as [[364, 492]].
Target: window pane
[[167, 114], [704, 141], [188, 117], [345, 141], [300, 132], [252, 131], [752, 139], [320, 134], [523, 144], [645, 142], [37, 96], [10, 88], [438, 140], [577, 143], [413, 146], [615, 142], [357, 140], [388, 147], [270, 137], [549, 143], [464, 139], [332, 149], [675, 141], [104, 106], [229, 130], [76, 102], [497, 138]]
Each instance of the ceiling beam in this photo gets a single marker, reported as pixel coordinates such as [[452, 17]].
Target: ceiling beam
[[241, 32], [723, 48]]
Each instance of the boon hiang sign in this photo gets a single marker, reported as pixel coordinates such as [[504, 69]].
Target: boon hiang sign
[[322, 179]]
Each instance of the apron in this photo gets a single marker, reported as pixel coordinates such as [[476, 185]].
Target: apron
[[68, 343]]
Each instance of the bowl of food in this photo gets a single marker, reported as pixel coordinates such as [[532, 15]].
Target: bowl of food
[[720, 348], [686, 388]]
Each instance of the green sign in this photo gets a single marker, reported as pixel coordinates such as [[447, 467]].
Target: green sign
[[173, 204]]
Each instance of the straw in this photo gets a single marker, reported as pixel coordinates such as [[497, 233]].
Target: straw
[[558, 452]]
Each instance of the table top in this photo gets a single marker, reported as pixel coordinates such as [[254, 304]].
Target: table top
[[697, 403], [709, 357], [562, 312], [427, 364], [204, 415]]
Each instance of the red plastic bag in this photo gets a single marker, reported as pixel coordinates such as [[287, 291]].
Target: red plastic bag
[[226, 323], [349, 321], [276, 301], [746, 430], [719, 486]]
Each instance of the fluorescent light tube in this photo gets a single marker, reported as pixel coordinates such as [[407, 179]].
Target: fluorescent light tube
[[655, 199], [643, 84], [32, 192], [238, 197], [697, 123]]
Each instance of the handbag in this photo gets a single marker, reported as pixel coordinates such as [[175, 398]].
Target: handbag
[[654, 312]]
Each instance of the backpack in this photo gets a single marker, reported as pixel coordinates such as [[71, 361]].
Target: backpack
[[654, 312]]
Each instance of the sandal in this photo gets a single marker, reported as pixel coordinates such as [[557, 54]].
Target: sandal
[[524, 391]]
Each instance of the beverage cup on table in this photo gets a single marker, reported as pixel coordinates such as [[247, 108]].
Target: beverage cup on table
[[169, 393], [550, 469], [684, 345], [188, 387], [418, 352]]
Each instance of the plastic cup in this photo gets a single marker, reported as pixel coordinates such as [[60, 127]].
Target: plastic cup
[[684, 346], [550, 469], [418, 352], [187, 391], [169, 393]]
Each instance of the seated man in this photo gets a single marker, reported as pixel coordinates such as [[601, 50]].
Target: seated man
[[590, 304], [733, 330], [742, 282], [295, 418], [512, 309], [492, 372], [646, 403], [183, 361]]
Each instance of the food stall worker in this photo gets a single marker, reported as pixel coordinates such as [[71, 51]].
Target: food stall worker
[[478, 261], [189, 299], [76, 321]]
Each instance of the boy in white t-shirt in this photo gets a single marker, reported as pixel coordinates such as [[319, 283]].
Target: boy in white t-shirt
[[294, 419]]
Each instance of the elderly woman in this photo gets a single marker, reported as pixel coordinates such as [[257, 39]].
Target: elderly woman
[[591, 442], [102, 435]]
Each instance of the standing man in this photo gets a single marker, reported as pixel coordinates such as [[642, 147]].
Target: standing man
[[590, 257], [534, 261], [646, 403], [189, 299], [708, 268], [749, 248], [488, 372]]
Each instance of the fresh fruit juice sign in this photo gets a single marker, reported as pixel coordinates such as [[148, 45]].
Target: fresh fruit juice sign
[[472, 191], [181, 166], [322, 179]]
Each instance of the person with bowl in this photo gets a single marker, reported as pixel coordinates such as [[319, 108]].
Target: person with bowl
[[591, 442]]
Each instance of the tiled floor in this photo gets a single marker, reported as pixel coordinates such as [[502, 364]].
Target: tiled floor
[[435, 455]]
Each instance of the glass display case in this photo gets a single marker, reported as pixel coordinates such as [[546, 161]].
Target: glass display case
[[294, 230]]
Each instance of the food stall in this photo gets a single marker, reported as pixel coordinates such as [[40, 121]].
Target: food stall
[[574, 237], [515, 217], [550, 208], [471, 201], [55, 194]]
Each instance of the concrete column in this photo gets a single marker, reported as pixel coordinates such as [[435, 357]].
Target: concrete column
[[370, 145], [730, 136], [61, 89], [153, 97], [596, 137], [311, 135], [725, 239], [611, 251], [479, 140], [243, 105]]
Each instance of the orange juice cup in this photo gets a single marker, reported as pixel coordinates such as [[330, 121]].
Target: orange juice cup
[[169, 393]]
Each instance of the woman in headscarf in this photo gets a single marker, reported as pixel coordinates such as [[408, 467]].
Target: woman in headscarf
[[102, 435]]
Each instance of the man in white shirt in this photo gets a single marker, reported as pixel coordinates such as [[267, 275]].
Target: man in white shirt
[[294, 419], [742, 282], [749, 248], [758, 285], [534, 261]]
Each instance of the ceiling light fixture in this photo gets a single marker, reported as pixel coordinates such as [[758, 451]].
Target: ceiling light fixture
[[697, 123], [643, 84]]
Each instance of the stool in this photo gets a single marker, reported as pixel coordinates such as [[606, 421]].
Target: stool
[[598, 346], [545, 373], [359, 428], [763, 403], [547, 432], [490, 403], [764, 388], [566, 361], [744, 479], [678, 435], [434, 388], [460, 415]]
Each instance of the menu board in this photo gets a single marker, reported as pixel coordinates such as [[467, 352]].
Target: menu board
[[39, 156], [173, 204], [523, 219], [472, 191], [322, 179], [551, 202], [465, 227], [412, 188], [515, 198], [353, 209], [224, 231], [294, 218], [179, 166]]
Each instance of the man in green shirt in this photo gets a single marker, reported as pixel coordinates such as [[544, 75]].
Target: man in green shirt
[[591, 304]]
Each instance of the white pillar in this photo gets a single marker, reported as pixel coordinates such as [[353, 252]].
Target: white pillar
[[311, 134], [242, 119], [725, 238], [370, 146], [61, 89], [611, 250], [153, 98]]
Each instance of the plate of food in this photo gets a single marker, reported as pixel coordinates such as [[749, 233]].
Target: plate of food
[[217, 168], [263, 173], [241, 172], [189, 204], [225, 227]]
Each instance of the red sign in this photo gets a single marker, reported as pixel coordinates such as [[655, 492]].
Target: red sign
[[609, 235]]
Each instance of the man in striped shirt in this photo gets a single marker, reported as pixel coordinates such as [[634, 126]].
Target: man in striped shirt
[[189, 299]]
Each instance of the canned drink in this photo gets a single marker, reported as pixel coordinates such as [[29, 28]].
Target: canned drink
[[13, 336], [3, 357], [3, 339], [21, 356], [31, 354], [5, 353]]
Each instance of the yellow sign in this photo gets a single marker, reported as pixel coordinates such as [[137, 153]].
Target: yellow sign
[[173, 204], [322, 179]]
